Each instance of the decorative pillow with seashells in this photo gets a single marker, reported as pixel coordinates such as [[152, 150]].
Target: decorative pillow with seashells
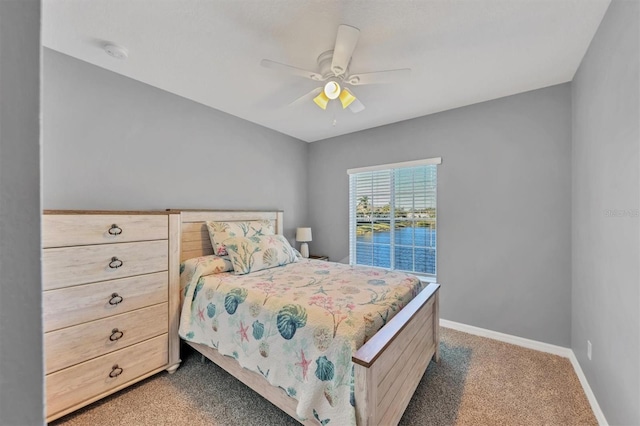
[[258, 253], [220, 231]]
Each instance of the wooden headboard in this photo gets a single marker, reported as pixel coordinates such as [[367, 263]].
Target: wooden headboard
[[194, 238]]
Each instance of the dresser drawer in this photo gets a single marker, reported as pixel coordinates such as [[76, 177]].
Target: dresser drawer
[[73, 345], [75, 230], [69, 306], [82, 382], [68, 266]]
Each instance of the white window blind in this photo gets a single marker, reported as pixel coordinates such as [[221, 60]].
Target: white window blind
[[392, 216]]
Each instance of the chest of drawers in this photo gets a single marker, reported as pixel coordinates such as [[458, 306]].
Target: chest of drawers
[[109, 310]]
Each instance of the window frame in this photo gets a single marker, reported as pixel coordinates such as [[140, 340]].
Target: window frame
[[392, 167]]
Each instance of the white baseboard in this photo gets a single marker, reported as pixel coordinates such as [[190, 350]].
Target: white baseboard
[[538, 346], [508, 338], [602, 421]]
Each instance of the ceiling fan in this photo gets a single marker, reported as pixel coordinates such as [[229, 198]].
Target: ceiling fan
[[333, 68]]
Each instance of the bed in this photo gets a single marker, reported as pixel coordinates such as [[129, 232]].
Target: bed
[[374, 374]]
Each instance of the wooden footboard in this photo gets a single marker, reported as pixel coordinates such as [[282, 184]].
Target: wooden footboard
[[390, 365]]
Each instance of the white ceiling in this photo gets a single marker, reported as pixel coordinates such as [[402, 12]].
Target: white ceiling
[[460, 51]]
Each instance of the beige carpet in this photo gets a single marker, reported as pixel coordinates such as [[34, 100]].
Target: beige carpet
[[477, 382]]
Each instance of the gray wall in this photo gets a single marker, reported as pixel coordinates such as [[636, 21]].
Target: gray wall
[[21, 364], [606, 135], [110, 142], [504, 206], [505, 256]]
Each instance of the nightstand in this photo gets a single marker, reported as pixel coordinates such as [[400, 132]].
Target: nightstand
[[319, 257]]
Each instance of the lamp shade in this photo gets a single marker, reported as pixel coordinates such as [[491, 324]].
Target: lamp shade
[[346, 98], [303, 234], [321, 100]]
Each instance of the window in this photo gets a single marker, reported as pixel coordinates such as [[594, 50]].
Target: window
[[392, 216]]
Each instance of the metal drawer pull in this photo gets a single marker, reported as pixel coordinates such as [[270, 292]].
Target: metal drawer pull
[[116, 335], [115, 230], [115, 263], [115, 371], [115, 299]]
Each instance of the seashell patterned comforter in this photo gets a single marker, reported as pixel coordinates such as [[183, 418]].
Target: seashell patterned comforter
[[297, 325]]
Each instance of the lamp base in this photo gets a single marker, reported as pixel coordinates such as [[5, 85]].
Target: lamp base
[[304, 250]]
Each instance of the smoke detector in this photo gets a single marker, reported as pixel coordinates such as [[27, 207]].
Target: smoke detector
[[116, 51]]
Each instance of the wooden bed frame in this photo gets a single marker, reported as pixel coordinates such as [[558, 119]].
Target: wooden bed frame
[[388, 367]]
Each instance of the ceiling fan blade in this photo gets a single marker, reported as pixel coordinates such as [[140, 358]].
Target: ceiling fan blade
[[306, 97], [378, 77], [291, 70], [356, 106], [346, 41]]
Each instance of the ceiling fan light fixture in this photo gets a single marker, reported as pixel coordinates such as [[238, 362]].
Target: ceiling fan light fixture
[[346, 98], [333, 71], [332, 90], [321, 100]]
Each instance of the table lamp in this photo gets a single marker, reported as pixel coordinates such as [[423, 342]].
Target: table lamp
[[303, 235]]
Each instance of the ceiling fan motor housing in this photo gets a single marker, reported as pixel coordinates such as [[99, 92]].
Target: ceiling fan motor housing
[[324, 65]]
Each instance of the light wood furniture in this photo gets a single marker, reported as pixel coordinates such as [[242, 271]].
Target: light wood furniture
[[387, 368], [319, 257], [111, 295]]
